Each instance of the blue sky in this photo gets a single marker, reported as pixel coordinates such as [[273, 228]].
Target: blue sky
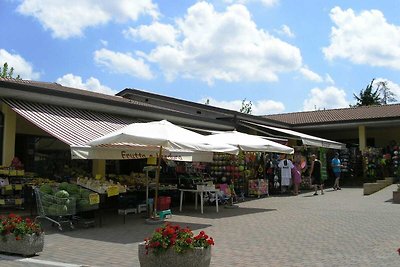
[[282, 55]]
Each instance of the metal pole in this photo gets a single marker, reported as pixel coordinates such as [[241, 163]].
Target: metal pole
[[157, 181]]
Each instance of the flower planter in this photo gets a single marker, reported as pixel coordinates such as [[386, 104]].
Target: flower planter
[[198, 257], [396, 197], [27, 246]]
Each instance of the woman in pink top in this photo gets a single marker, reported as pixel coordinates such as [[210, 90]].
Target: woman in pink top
[[296, 174]]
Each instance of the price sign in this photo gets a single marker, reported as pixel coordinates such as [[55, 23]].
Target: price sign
[[13, 173], [2, 202], [8, 187], [18, 201], [18, 187], [98, 176], [94, 199], [112, 191]]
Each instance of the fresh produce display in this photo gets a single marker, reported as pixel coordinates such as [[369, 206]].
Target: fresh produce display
[[67, 199], [56, 202], [100, 186]]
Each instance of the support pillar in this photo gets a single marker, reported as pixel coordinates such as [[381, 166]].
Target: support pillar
[[99, 167], [10, 126]]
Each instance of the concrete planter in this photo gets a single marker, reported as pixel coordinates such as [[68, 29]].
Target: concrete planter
[[28, 246], [396, 197], [198, 257]]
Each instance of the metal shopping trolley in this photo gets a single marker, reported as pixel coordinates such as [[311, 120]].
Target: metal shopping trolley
[[57, 210]]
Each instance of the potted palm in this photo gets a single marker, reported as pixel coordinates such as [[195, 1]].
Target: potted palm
[[396, 195], [20, 236], [171, 245]]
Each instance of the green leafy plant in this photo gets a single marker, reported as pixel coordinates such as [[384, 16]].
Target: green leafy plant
[[15, 225], [174, 237]]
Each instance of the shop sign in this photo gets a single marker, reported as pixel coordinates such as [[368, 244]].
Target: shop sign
[[112, 190], [18, 187]]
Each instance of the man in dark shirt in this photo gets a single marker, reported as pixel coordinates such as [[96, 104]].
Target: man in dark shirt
[[315, 175]]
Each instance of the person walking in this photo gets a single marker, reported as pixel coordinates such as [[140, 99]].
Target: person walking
[[315, 174], [336, 167], [296, 174]]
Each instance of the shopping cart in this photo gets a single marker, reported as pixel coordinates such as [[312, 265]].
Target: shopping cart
[[57, 210]]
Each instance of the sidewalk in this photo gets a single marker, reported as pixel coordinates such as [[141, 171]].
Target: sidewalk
[[339, 228]]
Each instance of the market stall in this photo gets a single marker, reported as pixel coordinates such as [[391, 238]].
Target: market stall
[[160, 137]]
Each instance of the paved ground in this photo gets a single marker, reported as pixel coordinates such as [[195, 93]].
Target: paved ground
[[340, 228]]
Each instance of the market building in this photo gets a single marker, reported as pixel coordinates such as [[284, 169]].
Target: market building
[[47, 126]]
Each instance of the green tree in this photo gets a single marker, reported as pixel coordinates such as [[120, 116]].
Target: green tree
[[5, 72], [246, 107], [387, 96], [367, 96]]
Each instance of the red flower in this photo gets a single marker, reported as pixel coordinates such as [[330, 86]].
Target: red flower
[[189, 240]]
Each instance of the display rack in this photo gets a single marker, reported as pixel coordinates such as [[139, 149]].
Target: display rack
[[11, 188]]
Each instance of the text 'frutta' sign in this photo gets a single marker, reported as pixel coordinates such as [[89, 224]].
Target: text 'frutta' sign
[[128, 155]]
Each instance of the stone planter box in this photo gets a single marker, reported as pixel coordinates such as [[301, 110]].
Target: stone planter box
[[396, 197], [198, 257], [28, 246]]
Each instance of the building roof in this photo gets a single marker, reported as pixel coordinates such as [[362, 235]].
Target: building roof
[[57, 94], [343, 115]]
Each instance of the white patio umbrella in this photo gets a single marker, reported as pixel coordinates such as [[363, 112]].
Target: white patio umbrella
[[248, 142], [161, 136]]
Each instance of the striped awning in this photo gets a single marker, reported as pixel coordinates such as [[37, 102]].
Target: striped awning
[[73, 126]]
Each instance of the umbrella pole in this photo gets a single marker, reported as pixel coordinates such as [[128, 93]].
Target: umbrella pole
[[157, 181]]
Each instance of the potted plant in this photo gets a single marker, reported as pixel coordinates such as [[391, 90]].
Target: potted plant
[[396, 195], [20, 236], [171, 245]]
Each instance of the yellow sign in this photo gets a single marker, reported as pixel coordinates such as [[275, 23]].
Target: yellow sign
[[94, 198], [112, 191], [2, 202], [8, 187], [18, 201], [18, 187], [13, 173], [98, 176]]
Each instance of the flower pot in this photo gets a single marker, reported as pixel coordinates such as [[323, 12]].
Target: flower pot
[[29, 245], [396, 197], [198, 257]]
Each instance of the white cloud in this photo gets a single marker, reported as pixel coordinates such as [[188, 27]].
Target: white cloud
[[260, 107], [91, 84], [328, 98], [286, 31], [329, 79], [122, 63], [21, 67], [224, 46], [157, 33], [267, 3], [69, 18], [310, 75], [365, 38]]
